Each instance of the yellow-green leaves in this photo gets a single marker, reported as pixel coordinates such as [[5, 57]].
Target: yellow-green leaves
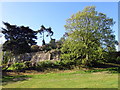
[[90, 35]]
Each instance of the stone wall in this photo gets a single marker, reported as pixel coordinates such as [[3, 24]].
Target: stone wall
[[38, 56]]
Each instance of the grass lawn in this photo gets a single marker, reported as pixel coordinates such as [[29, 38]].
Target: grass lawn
[[67, 79]]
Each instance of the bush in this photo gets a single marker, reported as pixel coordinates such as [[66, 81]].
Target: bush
[[118, 60], [62, 65], [28, 64], [44, 65], [18, 66], [68, 64], [56, 64]]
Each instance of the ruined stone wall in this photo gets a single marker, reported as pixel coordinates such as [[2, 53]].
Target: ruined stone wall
[[38, 56]]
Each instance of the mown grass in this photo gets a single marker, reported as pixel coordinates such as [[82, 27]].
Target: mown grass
[[70, 79]]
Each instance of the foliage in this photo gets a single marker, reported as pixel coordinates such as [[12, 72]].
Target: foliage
[[112, 57], [62, 65], [6, 57], [58, 44], [61, 41], [19, 39], [118, 60], [3, 67], [46, 47], [43, 65], [52, 43], [90, 37], [28, 65], [18, 66], [34, 48]]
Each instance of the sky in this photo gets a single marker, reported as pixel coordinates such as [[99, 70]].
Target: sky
[[51, 14]]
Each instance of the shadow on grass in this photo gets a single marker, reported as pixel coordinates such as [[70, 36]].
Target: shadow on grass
[[9, 78], [111, 67], [110, 70]]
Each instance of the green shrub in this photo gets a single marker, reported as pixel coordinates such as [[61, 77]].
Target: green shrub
[[65, 64], [28, 64], [18, 66], [118, 60], [57, 64], [44, 65], [48, 64]]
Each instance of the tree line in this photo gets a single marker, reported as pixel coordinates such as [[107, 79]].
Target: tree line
[[89, 38], [21, 38]]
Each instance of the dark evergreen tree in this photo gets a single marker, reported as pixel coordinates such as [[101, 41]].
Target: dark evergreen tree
[[19, 39]]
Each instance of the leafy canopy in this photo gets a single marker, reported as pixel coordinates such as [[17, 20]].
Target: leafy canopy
[[90, 36]]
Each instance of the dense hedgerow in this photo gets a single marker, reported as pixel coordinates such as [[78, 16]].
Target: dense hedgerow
[[43, 65]]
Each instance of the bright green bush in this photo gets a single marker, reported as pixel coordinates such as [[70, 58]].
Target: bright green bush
[[18, 66], [65, 64]]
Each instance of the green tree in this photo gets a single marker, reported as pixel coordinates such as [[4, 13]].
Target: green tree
[[90, 36], [61, 40], [19, 39]]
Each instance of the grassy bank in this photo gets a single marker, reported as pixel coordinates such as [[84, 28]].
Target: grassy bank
[[63, 79]]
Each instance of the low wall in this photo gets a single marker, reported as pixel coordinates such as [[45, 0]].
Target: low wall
[[38, 56]]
